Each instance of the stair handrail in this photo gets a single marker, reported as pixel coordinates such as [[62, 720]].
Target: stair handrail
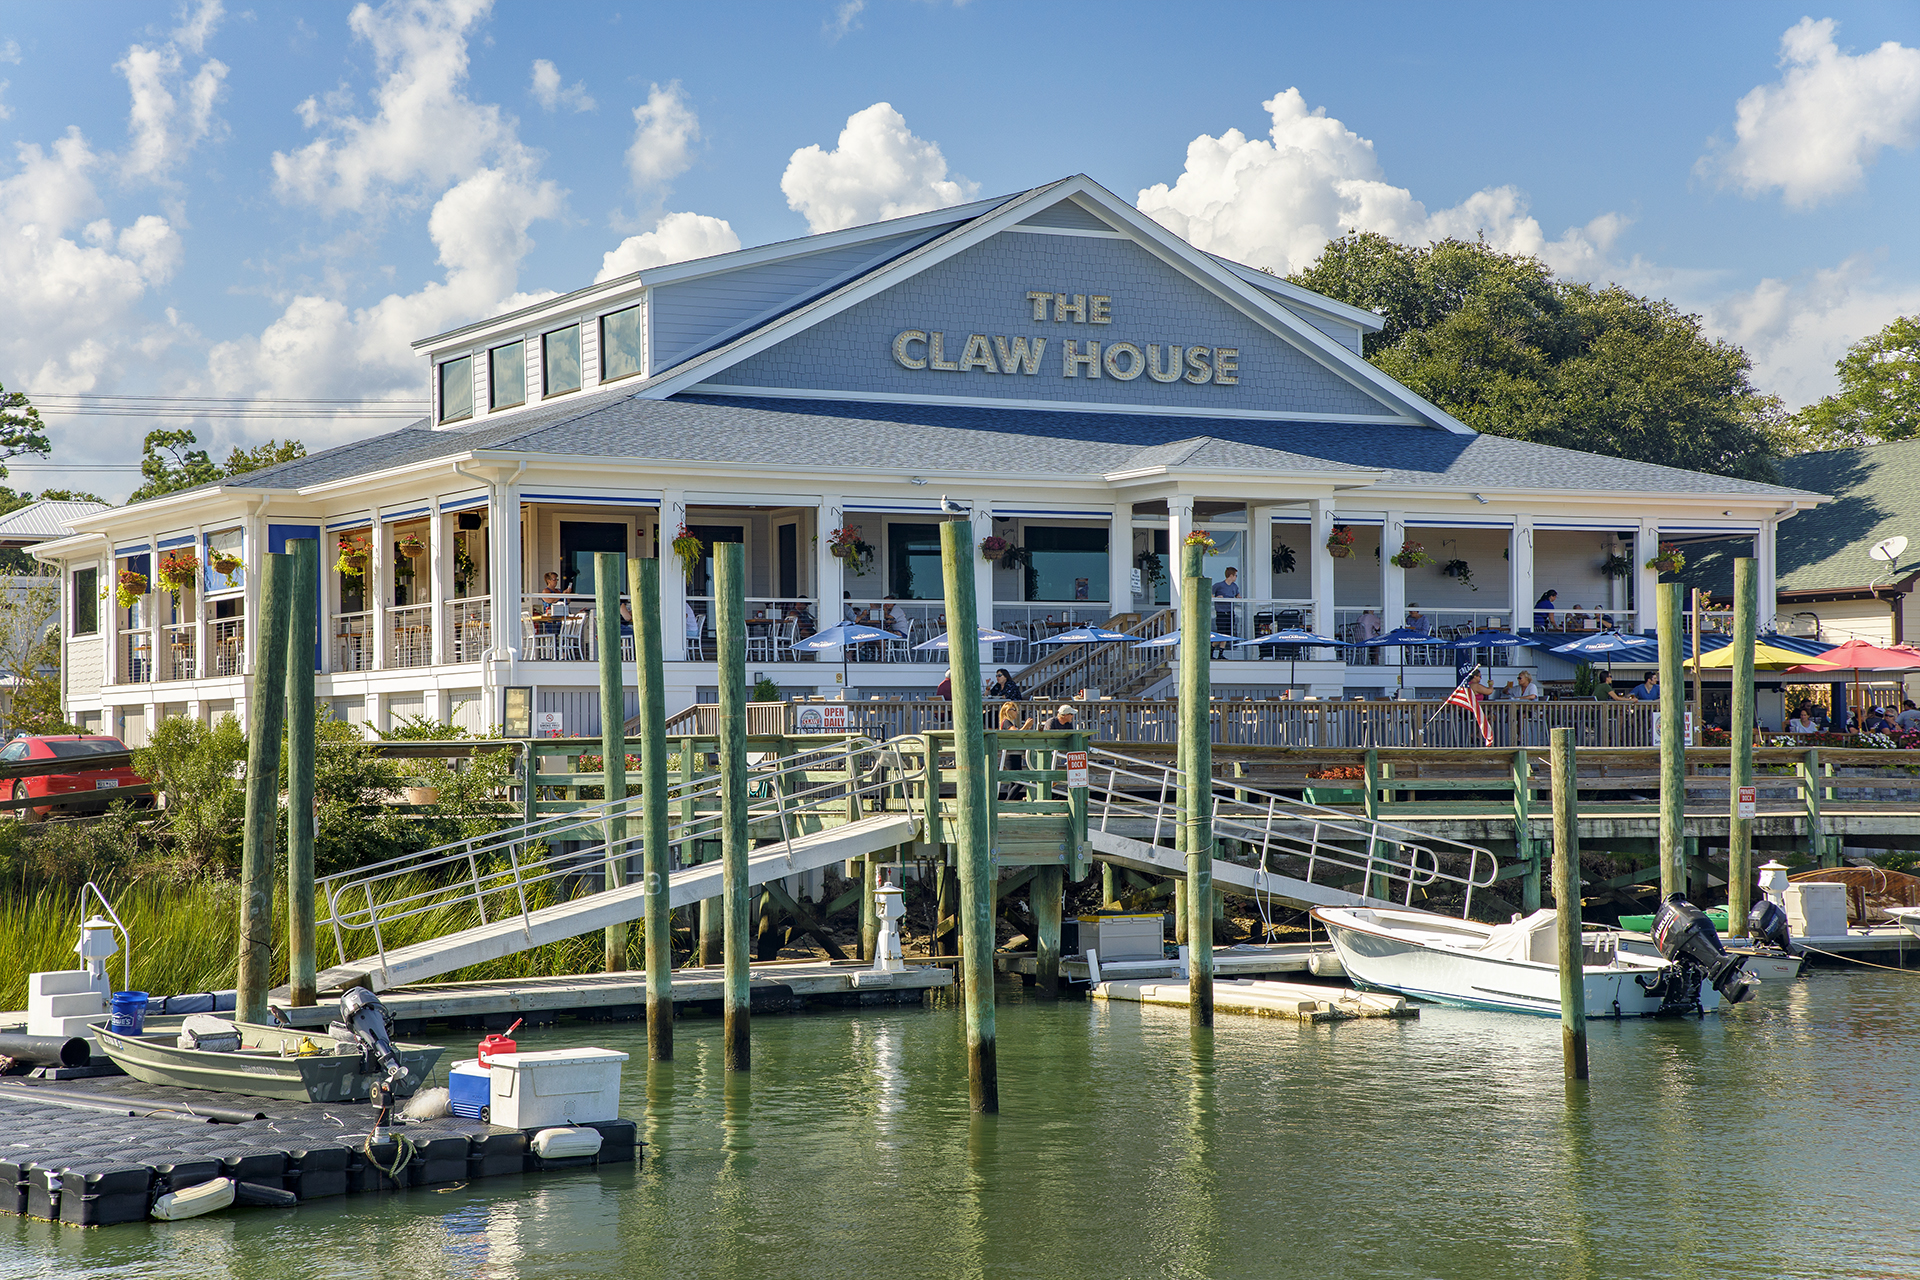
[[126, 939], [1075, 661]]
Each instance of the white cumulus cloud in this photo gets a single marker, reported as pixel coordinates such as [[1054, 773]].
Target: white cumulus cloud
[[170, 115], [1813, 133], [878, 169], [551, 92], [1795, 329], [1275, 202], [665, 129], [679, 237]]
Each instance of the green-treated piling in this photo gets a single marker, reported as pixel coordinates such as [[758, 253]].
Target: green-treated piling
[[650, 679], [1566, 901], [730, 634], [266, 704], [302, 629], [1044, 896], [1673, 743], [1746, 623], [969, 831], [1196, 765], [607, 574]]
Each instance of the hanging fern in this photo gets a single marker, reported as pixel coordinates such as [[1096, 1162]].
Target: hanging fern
[[1283, 559]]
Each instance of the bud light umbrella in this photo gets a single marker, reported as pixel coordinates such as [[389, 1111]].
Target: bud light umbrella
[[1401, 637], [1294, 637], [1172, 638], [843, 636], [1607, 642], [982, 635], [1485, 639], [1084, 635]]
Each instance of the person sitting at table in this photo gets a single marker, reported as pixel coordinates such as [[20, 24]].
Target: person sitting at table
[[1603, 621], [1802, 721], [1478, 687], [1648, 690], [1005, 686], [1876, 721], [1525, 689], [1061, 720], [944, 691], [1576, 619], [894, 618], [1543, 611], [626, 617], [1418, 621]]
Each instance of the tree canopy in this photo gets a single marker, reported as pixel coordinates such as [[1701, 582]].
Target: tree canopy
[[21, 430], [170, 461], [1879, 396], [1501, 344]]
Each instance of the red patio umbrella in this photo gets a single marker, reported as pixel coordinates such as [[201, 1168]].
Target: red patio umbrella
[[1857, 656]]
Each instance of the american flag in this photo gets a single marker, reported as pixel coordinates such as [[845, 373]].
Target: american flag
[[1462, 697]]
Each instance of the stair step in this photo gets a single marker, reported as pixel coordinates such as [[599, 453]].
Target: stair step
[[60, 982], [78, 1004]]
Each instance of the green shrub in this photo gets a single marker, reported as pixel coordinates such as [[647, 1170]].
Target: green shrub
[[196, 769]]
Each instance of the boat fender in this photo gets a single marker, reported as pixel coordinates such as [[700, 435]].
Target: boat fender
[[261, 1193], [193, 1201], [566, 1142]]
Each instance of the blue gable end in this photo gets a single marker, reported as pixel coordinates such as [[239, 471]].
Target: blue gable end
[[984, 290]]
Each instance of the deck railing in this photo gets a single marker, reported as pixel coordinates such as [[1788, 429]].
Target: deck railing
[[177, 651], [469, 628], [410, 636], [353, 641], [227, 638]]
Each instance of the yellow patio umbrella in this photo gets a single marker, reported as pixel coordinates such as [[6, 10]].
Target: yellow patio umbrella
[[1766, 657]]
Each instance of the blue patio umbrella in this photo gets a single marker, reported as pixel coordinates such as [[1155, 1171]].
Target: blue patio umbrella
[[1084, 635], [982, 635], [1607, 642], [1291, 636], [1402, 637], [1491, 640], [843, 636], [1172, 638]]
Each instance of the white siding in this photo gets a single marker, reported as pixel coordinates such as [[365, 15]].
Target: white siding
[[1482, 549], [466, 711], [84, 659], [1568, 561]]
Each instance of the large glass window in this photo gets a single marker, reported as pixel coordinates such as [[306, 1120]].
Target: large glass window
[[223, 569], [86, 601], [913, 562], [560, 350], [1066, 564], [700, 581], [620, 344], [509, 375], [579, 540], [456, 389]]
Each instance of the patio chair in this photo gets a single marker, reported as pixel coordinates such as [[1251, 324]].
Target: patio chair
[[783, 637], [571, 644], [759, 644]]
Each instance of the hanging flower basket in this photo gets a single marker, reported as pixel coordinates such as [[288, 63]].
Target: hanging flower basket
[[846, 544], [130, 588], [689, 550], [226, 564], [354, 555], [1669, 559], [1411, 555], [1204, 540], [1340, 542], [1459, 569], [410, 544], [1616, 566], [179, 569], [994, 547]]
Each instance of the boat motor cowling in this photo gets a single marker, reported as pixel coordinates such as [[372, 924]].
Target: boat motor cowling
[[372, 1026], [1767, 927], [1691, 945]]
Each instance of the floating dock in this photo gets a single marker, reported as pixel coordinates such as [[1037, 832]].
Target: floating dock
[[1265, 999], [1248, 960], [92, 1153]]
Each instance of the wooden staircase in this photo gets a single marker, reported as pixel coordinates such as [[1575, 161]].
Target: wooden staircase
[[1115, 669]]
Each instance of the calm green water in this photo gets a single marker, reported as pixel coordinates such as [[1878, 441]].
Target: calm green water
[[1775, 1141]]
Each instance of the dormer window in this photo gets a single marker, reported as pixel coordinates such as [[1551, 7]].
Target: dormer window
[[509, 375], [456, 389], [561, 355], [620, 344]]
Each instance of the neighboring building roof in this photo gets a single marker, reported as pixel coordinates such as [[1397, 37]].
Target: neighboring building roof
[[43, 521], [1876, 495], [983, 437]]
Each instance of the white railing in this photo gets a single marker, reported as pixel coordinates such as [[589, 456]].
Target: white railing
[[773, 624], [227, 641], [353, 641], [176, 640], [1248, 619], [1443, 625], [469, 628], [136, 656], [790, 796], [410, 636], [1141, 799], [1033, 623]]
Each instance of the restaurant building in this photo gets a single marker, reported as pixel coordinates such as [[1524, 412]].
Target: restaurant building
[[1052, 366]]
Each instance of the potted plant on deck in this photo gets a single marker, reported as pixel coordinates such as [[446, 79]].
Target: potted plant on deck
[[179, 569], [1340, 542]]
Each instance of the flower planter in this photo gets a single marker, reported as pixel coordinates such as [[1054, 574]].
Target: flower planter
[[423, 795], [1340, 553], [840, 552], [226, 568]]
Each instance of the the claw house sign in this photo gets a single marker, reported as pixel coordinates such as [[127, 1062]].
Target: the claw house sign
[[1024, 355]]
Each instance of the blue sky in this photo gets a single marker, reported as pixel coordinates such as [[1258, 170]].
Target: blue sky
[[268, 203]]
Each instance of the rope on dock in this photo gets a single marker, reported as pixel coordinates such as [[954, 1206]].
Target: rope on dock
[[1891, 968], [403, 1150]]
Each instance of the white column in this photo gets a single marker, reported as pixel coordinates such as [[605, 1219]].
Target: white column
[[329, 599], [1645, 544], [1179, 525], [673, 578], [1260, 552], [379, 593], [436, 705], [828, 580], [1320, 564], [503, 570], [1520, 572], [979, 525], [1120, 559], [202, 656], [438, 551], [1393, 579], [1766, 589], [253, 540], [376, 722]]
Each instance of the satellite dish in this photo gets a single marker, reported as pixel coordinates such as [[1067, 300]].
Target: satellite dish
[[1889, 550]]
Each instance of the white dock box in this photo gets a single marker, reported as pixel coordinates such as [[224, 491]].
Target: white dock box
[[1817, 910], [556, 1086], [1124, 937]]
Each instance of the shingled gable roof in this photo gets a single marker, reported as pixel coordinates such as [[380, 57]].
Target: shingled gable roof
[[1204, 269], [1876, 495]]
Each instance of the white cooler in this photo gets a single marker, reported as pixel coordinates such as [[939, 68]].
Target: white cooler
[[1817, 910], [555, 1086]]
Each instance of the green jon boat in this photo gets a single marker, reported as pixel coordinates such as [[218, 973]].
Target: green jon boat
[[272, 1062]]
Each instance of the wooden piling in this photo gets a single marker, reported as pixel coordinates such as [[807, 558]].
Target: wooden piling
[[730, 635], [1673, 741], [1746, 624], [266, 705], [1196, 764], [1044, 897], [650, 680], [608, 571], [970, 829], [869, 911], [302, 629], [1566, 901]]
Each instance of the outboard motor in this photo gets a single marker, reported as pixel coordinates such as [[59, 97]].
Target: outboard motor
[[1691, 946], [371, 1023], [1767, 927]]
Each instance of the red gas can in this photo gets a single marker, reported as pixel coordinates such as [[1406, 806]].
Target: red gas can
[[501, 1043]]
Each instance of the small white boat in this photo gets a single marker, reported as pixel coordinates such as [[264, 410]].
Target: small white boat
[[1909, 918], [1510, 967]]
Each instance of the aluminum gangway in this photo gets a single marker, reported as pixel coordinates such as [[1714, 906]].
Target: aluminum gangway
[[489, 887], [1133, 804]]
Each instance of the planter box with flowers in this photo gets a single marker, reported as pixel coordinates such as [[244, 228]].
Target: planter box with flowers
[[1669, 559], [1340, 542], [1411, 555], [130, 588], [179, 569]]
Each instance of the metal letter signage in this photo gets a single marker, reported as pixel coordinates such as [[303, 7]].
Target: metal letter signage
[[925, 350]]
